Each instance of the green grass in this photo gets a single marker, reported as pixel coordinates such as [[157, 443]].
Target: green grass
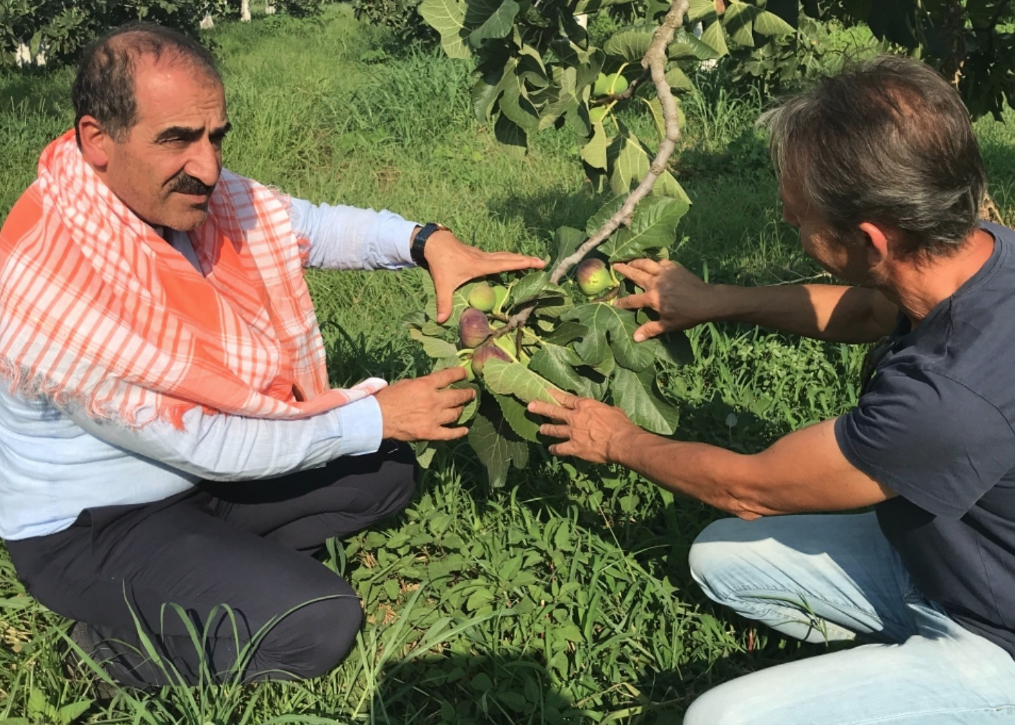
[[564, 596]]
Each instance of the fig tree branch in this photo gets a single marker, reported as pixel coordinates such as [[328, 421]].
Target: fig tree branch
[[655, 63]]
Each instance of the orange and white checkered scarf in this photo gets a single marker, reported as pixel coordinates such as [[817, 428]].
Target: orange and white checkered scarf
[[98, 311]]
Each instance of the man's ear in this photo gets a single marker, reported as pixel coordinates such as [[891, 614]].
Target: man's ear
[[878, 244], [95, 142]]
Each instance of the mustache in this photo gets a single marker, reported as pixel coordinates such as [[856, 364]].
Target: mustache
[[187, 184]]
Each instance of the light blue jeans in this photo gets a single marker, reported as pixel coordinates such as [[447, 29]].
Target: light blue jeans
[[833, 578]]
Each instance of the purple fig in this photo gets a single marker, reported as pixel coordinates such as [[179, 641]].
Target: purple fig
[[594, 277], [485, 353], [473, 328]]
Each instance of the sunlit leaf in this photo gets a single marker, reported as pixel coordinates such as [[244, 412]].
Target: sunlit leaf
[[631, 43], [610, 329], [448, 18], [511, 378], [654, 225], [715, 38], [767, 23], [593, 152], [636, 395]]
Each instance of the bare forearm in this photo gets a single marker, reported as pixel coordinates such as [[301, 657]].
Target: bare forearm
[[701, 471], [801, 472], [824, 312]]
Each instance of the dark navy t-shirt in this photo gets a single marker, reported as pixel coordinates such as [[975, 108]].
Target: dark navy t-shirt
[[935, 425]]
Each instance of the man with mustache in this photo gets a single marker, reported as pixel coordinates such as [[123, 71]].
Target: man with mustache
[[881, 173], [172, 453]]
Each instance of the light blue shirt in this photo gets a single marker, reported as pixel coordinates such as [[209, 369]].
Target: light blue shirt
[[55, 463]]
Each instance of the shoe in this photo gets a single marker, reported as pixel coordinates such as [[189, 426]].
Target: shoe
[[75, 668]]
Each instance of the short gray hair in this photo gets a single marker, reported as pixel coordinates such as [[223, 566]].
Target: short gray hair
[[886, 141]]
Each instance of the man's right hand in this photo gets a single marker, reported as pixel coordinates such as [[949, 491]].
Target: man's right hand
[[681, 299], [420, 409]]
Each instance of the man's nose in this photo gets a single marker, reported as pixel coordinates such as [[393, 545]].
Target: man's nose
[[205, 163]]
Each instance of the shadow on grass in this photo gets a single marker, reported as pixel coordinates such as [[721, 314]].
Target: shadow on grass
[[465, 689]]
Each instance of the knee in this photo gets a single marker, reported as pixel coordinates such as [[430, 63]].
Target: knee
[[714, 550], [312, 638], [715, 708], [399, 485]]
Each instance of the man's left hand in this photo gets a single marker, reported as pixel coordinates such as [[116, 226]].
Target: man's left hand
[[453, 263], [591, 430]]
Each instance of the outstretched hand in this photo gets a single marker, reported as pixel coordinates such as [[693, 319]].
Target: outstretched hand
[[681, 299], [453, 263], [590, 430]]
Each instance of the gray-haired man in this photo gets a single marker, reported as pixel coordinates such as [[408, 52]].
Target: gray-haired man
[[880, 171]]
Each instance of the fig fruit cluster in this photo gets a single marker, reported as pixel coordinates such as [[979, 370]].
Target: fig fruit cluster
[[476, 327], [609, 85]]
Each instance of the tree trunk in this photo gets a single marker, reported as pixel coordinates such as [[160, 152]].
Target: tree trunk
[[245, 11]]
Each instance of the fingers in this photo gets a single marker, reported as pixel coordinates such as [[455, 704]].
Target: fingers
[[641, 271], [636, 302], [449, 416], [457, 398], [443, 433], [508, 262], [649, 329], [447, 376], [549, 410], [555, 431], [566, 400]]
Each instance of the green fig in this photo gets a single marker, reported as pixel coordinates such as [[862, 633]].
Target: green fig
[[485, 353], [607, 85], [473, 328], [594, 277], [500, 294], [597, 114], [482, 297], [507, 344], [601, 88]]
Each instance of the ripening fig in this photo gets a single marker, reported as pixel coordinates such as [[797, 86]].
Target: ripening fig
[[482, 297], [473, 328], [594, 277], [485, 353]]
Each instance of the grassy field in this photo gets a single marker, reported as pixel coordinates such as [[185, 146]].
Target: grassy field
[[565, 596]]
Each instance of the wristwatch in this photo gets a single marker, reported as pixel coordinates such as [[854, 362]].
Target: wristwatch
[[418, 243]]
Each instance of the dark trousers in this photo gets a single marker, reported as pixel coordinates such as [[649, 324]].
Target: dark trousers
[[245, 544]]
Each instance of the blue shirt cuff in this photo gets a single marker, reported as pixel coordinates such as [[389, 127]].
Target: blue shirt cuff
[[360, 426]]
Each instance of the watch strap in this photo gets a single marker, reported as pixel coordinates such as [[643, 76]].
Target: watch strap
[[418, 244]]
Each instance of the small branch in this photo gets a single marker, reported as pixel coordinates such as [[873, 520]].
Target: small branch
[[654, 64]]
